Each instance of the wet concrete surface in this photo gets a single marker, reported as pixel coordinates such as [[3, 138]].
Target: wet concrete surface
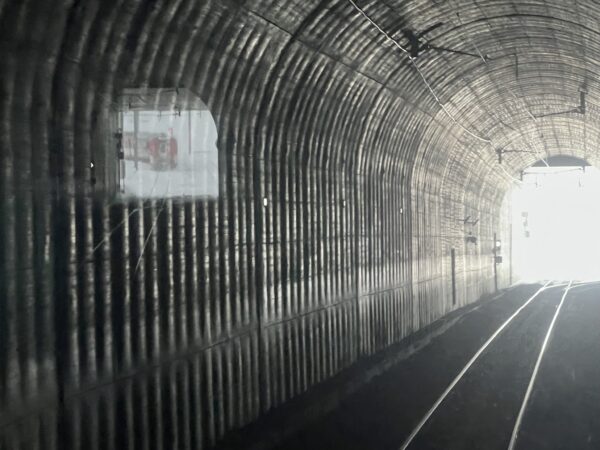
[[480, 412]]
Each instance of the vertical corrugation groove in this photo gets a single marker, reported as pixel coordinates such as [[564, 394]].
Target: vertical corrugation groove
[[168, 323]]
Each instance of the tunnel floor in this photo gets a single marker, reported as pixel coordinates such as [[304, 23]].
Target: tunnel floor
[[563, 411]]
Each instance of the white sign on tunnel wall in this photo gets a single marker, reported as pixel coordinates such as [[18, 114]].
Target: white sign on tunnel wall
[[168, 145]]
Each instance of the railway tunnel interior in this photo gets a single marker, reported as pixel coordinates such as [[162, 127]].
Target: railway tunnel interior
[[341, 181]]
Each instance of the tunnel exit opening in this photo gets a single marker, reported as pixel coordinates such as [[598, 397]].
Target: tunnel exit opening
[[556, 222]]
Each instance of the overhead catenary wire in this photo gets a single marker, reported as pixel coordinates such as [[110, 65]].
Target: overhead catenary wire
[[412, 60], [486, 60], [513, 95], [418, 69]]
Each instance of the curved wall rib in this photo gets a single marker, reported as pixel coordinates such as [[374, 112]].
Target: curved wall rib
[[343, 189]]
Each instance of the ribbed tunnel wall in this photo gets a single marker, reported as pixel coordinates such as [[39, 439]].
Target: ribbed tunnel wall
[[343, 189]]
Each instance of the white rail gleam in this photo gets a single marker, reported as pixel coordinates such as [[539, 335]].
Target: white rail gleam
[[515, 433], [467, 367]]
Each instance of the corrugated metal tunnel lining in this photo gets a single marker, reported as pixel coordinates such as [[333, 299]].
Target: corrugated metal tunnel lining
[[343, 188]]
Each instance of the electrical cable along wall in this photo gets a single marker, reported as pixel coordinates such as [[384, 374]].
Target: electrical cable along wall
[[144, 323]]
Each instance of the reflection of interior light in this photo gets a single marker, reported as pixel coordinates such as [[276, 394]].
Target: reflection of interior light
[[174, 157], [265, 201]]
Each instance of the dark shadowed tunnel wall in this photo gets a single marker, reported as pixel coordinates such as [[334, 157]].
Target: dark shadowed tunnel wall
[[166, 323]]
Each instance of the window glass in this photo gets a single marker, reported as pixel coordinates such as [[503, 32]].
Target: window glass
[[167, 145]]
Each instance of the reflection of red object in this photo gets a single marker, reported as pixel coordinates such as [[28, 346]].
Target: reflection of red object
[[162, 151]]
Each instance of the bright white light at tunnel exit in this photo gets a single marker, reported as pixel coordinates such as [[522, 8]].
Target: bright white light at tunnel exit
[[556, 224]]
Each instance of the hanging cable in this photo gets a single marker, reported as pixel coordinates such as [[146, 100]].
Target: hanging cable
[[488, 141], [414, 63], [513, 95]]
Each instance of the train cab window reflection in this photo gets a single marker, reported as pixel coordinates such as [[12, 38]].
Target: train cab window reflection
[[167, 141]]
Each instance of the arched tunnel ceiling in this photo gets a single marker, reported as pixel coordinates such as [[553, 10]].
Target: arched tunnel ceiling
[[524, 97], [541, 55], [521, 96]]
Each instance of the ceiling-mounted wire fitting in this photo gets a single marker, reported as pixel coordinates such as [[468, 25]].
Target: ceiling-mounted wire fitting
[[467, 221], [581, 109], [412, 60], [417, 44], [502, 151], [418, 69]]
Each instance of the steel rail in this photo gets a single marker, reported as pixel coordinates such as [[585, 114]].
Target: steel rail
[[479, 352], [515, 433]]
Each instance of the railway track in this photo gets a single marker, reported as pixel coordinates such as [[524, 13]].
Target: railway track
[[568, 287]]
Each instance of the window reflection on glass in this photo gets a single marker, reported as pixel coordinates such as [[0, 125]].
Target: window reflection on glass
[[168, 145]]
